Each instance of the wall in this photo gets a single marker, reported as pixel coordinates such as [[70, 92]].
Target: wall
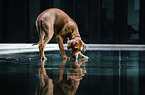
[[17, 18], [15, 21], [133, 14]]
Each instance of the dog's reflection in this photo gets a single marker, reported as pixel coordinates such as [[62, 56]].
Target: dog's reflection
[[62, 86], [45, 84]]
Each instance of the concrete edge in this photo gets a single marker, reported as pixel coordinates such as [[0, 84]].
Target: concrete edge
[[9, 48]]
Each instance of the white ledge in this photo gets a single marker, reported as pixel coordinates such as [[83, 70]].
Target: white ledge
[[8, 48]]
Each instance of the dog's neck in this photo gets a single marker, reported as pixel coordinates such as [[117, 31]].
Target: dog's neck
[[75, 38], [75, 34]]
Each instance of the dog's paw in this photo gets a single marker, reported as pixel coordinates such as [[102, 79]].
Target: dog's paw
[[43, 58], [86, 57]]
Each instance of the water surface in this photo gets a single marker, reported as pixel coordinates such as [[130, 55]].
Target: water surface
[[105, 73]]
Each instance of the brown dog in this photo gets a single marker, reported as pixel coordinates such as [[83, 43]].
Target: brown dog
[[56, 21]]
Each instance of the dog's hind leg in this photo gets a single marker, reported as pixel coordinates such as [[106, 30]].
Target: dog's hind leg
[[49, 31], [41, 33], [41, 37]]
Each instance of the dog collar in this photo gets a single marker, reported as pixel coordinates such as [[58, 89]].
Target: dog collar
[[76, 38]]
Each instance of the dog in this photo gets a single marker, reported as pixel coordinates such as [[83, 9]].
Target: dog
[[56, 21]]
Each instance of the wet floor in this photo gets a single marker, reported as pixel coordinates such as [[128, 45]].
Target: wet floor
[[105, 73]]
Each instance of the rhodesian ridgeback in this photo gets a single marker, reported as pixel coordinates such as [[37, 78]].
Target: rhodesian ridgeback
[[56, 21]]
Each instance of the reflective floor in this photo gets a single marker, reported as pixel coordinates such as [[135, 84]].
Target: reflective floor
[[105, 73]]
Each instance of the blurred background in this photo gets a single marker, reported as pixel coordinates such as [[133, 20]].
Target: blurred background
[[99, 21]]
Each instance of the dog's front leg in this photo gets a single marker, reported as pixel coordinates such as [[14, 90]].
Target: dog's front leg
[[61, 47], [82, 55]]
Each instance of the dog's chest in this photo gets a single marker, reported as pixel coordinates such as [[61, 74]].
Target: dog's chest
[[58, 28]]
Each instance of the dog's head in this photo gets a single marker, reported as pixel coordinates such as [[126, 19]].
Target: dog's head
[[75, 47]]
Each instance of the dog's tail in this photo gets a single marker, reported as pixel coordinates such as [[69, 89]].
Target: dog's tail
[[35, 44], [35, 34], [84, 47], [37, 29]]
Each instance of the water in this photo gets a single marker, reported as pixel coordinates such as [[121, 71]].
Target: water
[[105, 73]]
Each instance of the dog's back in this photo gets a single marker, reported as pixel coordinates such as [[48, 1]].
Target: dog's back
[[55, 17]]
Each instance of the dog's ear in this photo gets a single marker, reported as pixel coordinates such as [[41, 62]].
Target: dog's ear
[[84, 47]]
